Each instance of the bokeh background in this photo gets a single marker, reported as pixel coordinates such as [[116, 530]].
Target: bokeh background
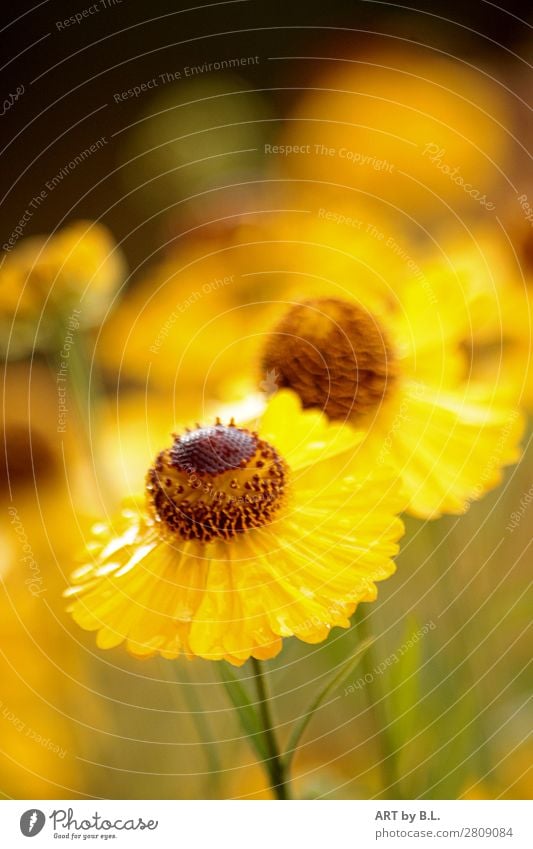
[[202, 219]]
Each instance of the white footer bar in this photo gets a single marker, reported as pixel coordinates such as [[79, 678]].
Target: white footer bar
[[268, 825]]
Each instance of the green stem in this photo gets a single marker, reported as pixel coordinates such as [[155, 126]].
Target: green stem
[[457, 617], [299, 727], [85, 392], [202, 728], [376, 702], [275, 764]]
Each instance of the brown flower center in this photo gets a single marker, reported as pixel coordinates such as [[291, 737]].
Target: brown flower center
[[333, 355], [215, 482], [24, 455]]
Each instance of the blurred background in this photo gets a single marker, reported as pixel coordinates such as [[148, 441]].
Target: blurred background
[[168, 174]]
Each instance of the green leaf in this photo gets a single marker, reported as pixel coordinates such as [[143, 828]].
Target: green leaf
[[342, 673], [405, 689], [247, 714], [404, 711]]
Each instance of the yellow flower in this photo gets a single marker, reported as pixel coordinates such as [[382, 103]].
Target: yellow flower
[[396, 374], [498, 282], [176, 326], [80, 266], [42, 673], [418, 132], [82, 262], [191, 317], [245, 538], [348, 245]]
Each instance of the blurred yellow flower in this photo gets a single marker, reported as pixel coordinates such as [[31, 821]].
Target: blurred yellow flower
[[79, 266], [82, 262], [245, 539], [173, 329], [349, 246], [196, 315], [37, 666], [416, 131], [40, 669]]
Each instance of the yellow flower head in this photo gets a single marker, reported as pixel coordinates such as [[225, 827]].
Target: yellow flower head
[[398, 375], [190, 317], [245, 538], [82, 261]]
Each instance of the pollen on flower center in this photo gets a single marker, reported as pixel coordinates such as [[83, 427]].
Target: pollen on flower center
[[215, 482], [333, 355]]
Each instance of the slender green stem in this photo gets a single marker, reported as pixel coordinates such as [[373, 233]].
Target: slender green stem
[[299, 727], [203, 730], [376, 702], [275, 764], [85, 391], [457, 618]]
